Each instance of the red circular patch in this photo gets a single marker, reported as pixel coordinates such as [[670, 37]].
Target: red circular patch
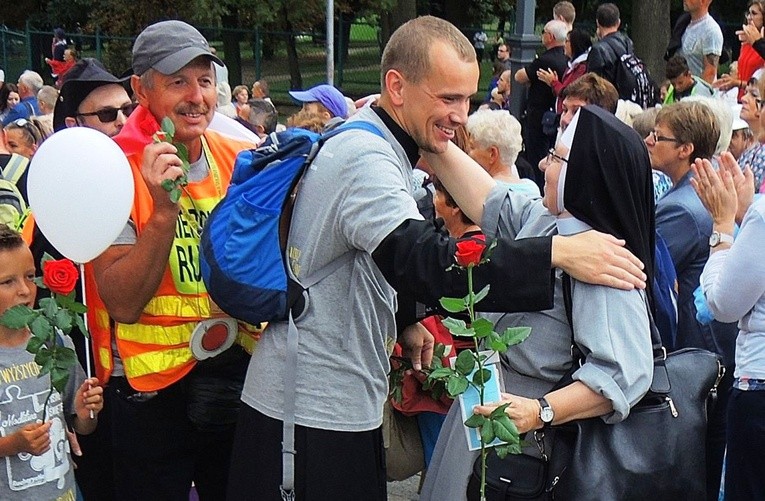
[[215, 336]]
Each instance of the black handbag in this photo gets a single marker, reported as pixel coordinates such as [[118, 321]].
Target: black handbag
[[658, 452], [550, 122], [520, 477]]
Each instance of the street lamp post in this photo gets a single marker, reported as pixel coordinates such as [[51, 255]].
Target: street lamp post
[[524, 44], [330, 42]]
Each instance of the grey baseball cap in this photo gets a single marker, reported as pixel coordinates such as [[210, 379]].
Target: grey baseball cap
[[168, 46]]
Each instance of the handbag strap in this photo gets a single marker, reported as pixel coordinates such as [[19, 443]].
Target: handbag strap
[[658, 347]]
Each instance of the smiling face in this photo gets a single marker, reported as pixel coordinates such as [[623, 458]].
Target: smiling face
[[188, 97], [430, 110], [552, 165], [17, 274]]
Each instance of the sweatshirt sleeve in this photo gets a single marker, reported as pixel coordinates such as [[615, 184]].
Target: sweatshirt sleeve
[[414, 258]]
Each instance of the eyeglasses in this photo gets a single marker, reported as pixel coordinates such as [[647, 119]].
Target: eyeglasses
[[658, 139], [106, 115], [29, 126], [551, 155]]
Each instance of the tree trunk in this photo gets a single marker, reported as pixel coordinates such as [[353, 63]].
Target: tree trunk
[[343, 35], [455, 11], [403, 11], [296, 79], [232, 51], [650, 32]]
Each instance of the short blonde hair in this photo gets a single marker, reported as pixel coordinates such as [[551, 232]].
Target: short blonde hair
[[408, 50]]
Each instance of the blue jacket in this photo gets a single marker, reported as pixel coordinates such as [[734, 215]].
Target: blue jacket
[[26, 108], [685, 225]]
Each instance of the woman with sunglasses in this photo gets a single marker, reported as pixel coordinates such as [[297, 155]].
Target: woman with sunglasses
[[23, 136]]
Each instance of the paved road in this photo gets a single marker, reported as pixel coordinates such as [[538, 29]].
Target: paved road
[[405, 490]]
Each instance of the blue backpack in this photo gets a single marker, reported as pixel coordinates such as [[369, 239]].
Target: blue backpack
[[242, 249]]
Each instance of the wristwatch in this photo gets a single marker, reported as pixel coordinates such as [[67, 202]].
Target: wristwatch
[[717, 238], [546, 413]]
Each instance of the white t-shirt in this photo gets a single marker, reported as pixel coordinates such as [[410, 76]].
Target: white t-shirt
[[701, 38]]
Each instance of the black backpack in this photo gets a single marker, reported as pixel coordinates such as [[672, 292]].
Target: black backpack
[[631, 78]]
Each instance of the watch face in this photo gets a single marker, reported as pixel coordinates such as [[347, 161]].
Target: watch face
[[714, 239], [546, 414]]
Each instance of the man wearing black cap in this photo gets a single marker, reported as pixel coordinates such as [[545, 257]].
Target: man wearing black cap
[[178, 368], [92, 97]]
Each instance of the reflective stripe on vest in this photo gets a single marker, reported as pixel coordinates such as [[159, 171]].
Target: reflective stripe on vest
[[158, 335], [147, 362], [178, 307]]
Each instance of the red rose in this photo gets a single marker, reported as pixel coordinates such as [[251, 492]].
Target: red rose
[[60, 276], [469, 252]]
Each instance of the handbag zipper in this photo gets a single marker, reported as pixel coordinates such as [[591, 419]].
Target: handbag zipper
[[672, 407]]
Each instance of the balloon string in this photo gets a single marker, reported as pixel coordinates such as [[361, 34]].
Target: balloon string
[[86, 334]]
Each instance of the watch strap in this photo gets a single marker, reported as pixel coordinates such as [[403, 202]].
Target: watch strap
[[544, 410]]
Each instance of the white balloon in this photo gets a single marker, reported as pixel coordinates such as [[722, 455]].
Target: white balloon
[[80, 189]]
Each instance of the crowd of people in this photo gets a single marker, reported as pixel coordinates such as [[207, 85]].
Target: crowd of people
[[577, 192]]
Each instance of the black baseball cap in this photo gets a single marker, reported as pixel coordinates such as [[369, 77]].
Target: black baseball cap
[[85, 76]]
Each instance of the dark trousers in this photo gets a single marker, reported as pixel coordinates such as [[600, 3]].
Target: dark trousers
[[537, 143], [158, 452], [182, 434], [93, 474], [329, 465], [716, 435], [745, 463]]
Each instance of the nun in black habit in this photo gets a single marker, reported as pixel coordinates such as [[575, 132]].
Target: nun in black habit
[[598, 176]]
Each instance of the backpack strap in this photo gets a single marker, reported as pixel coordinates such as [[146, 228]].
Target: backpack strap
[[15, 168], [619, 50], [287, 489]]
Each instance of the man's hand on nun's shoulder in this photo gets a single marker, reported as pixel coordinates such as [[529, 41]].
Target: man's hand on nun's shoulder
[[598, 258]]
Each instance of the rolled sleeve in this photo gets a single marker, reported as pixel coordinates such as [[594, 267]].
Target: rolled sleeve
[[612, 330]]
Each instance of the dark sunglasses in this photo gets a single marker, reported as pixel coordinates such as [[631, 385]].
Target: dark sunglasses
[[107, 115]]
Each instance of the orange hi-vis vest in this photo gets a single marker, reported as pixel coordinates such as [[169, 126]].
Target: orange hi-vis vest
[[155, 351]]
